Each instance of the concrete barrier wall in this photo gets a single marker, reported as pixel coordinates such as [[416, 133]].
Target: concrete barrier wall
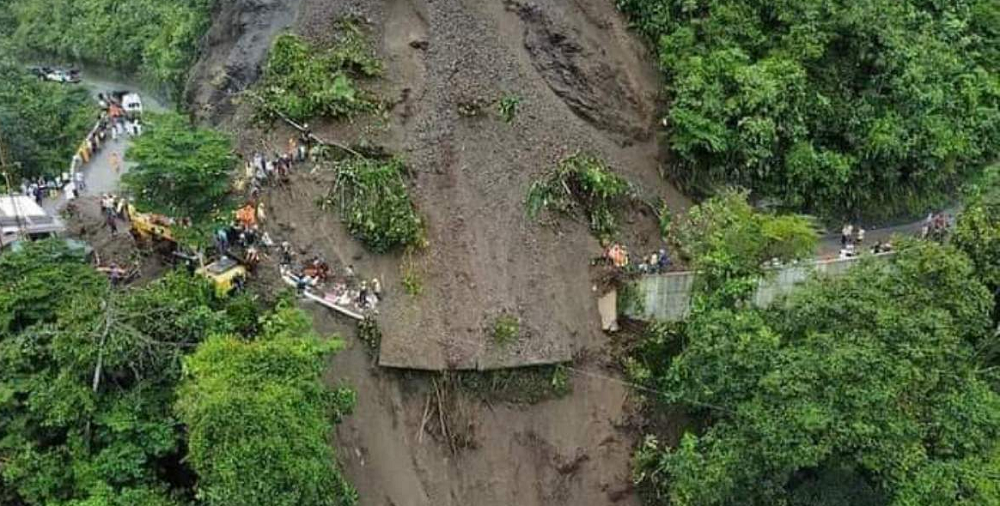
[[667, 297]]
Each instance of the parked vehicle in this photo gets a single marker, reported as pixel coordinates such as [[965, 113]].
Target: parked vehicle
[[56, 75]]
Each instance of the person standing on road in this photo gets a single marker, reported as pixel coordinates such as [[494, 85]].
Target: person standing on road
[[845, 234], [116, 162], [109, 220]]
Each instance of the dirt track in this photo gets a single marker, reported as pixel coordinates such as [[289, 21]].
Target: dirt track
[[584, 84]]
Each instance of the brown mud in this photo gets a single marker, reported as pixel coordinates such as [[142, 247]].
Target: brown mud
[[584, 84]]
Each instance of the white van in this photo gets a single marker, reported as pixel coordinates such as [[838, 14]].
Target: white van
[[132, 105]]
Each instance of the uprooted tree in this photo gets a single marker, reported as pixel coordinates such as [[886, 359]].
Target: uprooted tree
[[585, 183], [373, 200], [301, 81]]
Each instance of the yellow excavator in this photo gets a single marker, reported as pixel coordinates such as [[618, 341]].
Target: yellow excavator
[[150, 227], [226, 273]]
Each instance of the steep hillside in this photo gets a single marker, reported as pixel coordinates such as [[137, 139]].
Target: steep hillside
[[584, 83]]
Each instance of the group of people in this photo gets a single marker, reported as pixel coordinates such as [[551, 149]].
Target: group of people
[[263, 171], [246, 235], [111, 122], [39, 188], [936, 226], [345, 290], [656, 262], [113, 208], [851, 239]]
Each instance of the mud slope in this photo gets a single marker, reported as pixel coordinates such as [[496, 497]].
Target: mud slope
[[584, 85]]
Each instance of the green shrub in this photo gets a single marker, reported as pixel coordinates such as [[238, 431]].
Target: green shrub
[[370, 334], [506, 329], [663, 219], [508, 107], [374, 202], [582, 182], [302, 81], [629, 299], [413, 284]]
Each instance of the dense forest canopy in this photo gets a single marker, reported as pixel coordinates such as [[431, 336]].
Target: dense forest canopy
[[112, 396], [877, 387], [834, 107], [156, 38], [41, 123]]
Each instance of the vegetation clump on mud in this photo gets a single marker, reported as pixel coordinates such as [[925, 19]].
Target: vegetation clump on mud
[[371, 334], [374, 202], [302, 81], [582, 182], [831, 107], [522, 385], [506, 329]]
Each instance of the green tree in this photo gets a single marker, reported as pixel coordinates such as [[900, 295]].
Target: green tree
[[728, 243], [156, 38], [863, 389], [977, 231], [181, 170], [259, 416], [87, 378], [42, 124], [831, 107]]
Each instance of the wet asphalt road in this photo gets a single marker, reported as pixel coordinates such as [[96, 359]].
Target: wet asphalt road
[[99, 175]]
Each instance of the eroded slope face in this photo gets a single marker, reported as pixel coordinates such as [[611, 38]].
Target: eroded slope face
[[582, 85]]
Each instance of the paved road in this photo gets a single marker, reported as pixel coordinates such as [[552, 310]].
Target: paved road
[[829, 245], [99, 175]]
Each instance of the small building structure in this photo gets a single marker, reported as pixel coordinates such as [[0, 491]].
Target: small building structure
[[22, 218]]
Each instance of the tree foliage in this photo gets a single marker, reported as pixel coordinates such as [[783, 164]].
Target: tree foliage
[[728, 243], [582, 182], [181, 170], [977, 231], [86, 379], [263, 399], [302, 81], [863, 389], [832, 107], [41, 123], [374, 202], [90, 396], [156, 38]]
